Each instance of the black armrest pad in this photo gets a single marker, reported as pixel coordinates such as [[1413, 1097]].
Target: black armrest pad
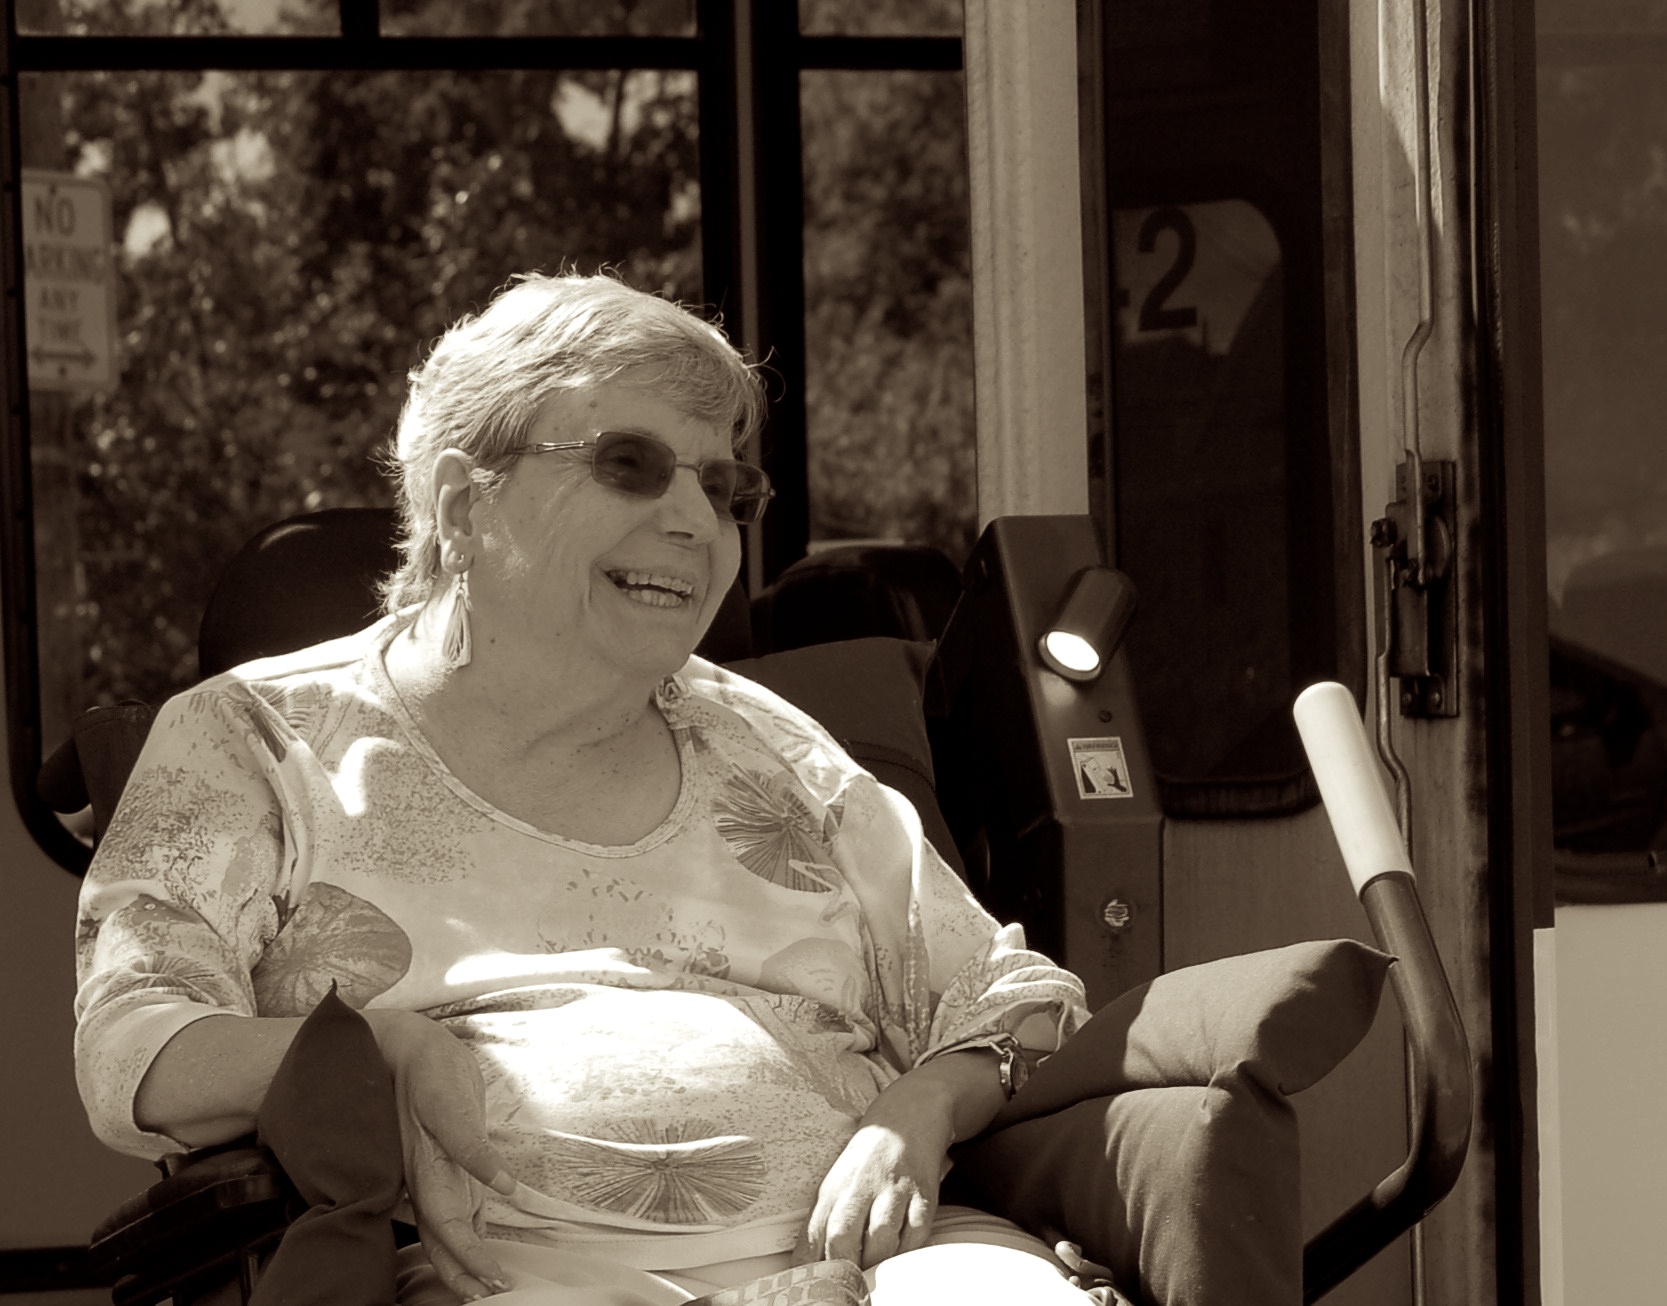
[[217, 1199]]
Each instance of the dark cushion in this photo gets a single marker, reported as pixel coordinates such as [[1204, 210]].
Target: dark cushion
[[1191, 1195], [330, 1120], [1160, 1138], [867, 693], [1281, 1018]]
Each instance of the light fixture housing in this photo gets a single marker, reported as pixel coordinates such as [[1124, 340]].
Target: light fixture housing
[[1020, 754], [1079, 642]]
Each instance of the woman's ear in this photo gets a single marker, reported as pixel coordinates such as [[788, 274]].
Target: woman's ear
[[454, 503]]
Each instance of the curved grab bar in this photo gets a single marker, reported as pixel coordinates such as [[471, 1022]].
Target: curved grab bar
[[1438, 1053]]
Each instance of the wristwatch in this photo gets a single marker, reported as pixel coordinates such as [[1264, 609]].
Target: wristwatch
[[1015, 1069]]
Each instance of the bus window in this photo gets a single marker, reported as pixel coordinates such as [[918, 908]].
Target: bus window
[[397, 18], [212, 17], [287, 228], [868, 18], [287, 242], [551, 18], [1602, 90], [888, 324]]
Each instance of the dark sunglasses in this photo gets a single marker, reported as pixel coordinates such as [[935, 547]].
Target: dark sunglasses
[[641, 465]]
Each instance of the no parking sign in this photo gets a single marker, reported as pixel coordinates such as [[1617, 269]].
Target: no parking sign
[[69, 282]]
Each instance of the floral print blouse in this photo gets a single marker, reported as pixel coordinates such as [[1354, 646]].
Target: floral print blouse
[[677, 1036]]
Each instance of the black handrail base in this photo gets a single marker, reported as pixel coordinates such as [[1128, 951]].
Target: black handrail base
[[1440, 1093]]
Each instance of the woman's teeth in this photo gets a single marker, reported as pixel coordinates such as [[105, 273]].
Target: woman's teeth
[[652, 588]]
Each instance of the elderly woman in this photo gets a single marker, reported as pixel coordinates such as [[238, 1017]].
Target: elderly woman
[[680, 989]]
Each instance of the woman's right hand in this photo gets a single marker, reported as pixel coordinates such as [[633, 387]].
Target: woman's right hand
[[442, 1127]]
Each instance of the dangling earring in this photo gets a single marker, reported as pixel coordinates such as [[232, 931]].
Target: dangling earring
[[457, 645]]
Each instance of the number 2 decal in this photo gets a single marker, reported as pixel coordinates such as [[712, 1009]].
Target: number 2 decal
[[1155, 313]]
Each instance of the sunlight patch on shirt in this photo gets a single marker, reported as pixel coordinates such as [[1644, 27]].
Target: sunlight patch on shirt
[[575, 967], [350, 776]]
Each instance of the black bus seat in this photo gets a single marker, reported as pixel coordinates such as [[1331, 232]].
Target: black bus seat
[[907, 591]]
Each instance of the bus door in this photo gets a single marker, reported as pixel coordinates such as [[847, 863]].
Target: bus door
[[1293, 221]]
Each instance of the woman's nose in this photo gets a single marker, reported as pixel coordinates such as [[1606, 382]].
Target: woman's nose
[[686, 509]]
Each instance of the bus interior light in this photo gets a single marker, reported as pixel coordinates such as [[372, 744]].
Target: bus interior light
[[1080, 641]]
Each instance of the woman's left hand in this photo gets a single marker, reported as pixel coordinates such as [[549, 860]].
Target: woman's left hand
[[879, 1197]]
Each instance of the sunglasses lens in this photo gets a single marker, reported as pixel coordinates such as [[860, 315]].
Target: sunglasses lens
[[738, 491], [643, 466], [634, 464], [718, 479]]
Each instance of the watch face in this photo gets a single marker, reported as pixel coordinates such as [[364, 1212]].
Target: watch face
[[1014, 1068], [1018, 1070]]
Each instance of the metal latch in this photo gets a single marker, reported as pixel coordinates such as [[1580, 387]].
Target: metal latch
[[1417, 592]]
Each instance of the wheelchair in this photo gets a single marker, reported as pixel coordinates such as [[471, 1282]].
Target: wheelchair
[[907, 691]]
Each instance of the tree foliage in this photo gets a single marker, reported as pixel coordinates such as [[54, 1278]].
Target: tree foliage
[[888, 292], [293, 241]]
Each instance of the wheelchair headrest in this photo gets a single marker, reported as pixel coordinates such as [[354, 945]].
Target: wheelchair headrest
[[859, 590], [302, 581], [729, 637]]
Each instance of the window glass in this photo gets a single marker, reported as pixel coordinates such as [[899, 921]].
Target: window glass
[[888, 316], [1200, 395], [323, 17], [1603, 262], [1623, 18], [538, 18], [880, 17], [1229, 395], [179, 17], [285, 244], [1160, 45]]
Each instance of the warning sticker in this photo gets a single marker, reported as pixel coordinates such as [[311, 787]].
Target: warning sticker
[[1101, 770]]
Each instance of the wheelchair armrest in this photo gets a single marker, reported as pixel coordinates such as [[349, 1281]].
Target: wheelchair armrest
[[236, 1201]]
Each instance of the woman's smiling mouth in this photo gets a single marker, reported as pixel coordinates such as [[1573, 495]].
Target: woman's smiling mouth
[[653, 588]]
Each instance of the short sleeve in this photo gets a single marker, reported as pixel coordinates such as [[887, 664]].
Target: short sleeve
[[180, 899], [951, 975]]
